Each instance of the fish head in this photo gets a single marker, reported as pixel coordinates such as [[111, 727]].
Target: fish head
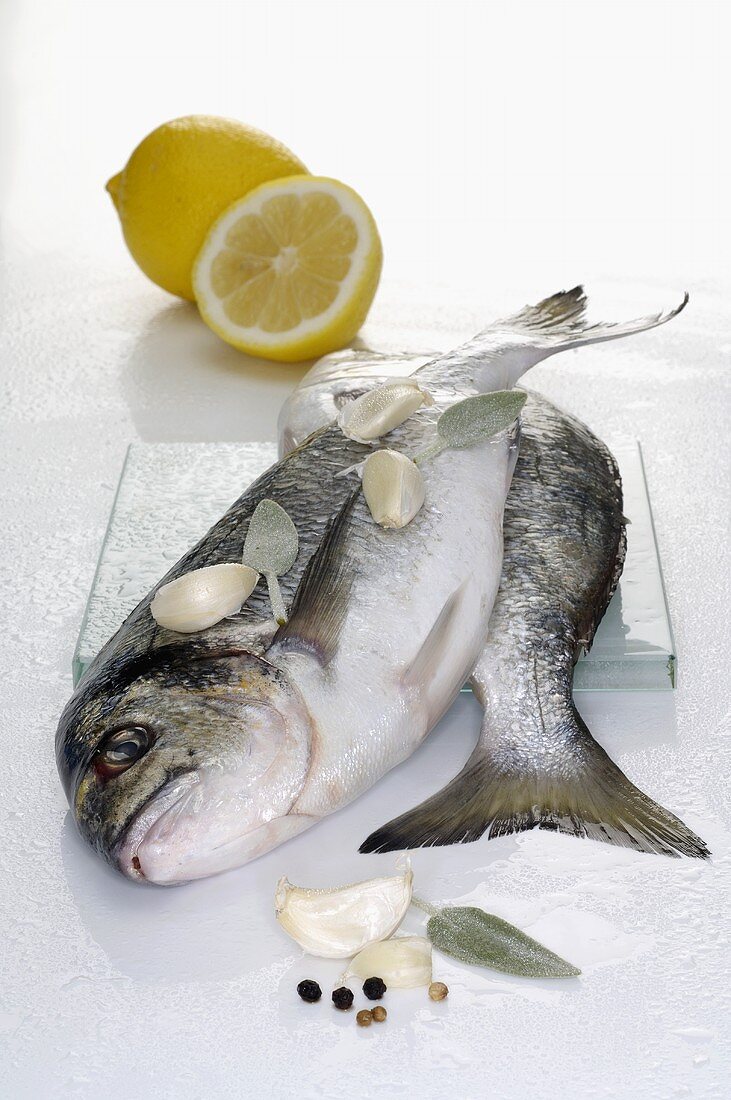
[[186, 766]]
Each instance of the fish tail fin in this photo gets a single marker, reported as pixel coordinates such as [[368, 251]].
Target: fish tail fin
[[498, 356], [559, 322], [586, 795]]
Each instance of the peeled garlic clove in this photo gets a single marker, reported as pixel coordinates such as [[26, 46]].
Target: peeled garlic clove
[[380, 410], [203, 597], [394, 488], [335, 924], [403, 962]]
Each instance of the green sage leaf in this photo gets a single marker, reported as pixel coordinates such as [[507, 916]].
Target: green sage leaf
[[473, 936], [271, 542], [479, 418]]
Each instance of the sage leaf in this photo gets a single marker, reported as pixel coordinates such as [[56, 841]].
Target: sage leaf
[[479, 418], [474, 936], [271, 542], [271, 547]]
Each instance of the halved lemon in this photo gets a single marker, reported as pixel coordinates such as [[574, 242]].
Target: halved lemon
[[289, 271]]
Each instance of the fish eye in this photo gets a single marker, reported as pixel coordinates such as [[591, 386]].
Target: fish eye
[[121, 749]]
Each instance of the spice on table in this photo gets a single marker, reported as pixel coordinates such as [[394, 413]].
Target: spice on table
[[343, 997], [309, 991], [364, 1018], [379, 1013], [438, 991], [374, 988]]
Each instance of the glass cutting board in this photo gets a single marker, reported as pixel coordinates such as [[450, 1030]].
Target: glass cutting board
[[169, 494]]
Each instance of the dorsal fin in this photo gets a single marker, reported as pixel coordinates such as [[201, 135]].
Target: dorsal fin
[[320, 604]]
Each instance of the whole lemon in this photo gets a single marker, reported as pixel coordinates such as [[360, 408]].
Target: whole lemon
[[179, 179]]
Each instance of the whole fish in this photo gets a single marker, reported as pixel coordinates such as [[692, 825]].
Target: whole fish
[[182, 756], [536, 763]]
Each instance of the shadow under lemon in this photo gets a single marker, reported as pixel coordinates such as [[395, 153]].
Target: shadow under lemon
[[182, 383]]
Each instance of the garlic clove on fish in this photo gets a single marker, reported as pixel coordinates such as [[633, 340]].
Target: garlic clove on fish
[[393, 486], [403, 962], [336, 924], [203, 597], [380, 410]]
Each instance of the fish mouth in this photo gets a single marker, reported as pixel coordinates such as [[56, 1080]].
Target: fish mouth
[[229, 855], [158, 804], [139, 859]]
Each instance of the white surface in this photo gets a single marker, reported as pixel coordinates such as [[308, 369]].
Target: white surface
[[506, 149], [170, 494]]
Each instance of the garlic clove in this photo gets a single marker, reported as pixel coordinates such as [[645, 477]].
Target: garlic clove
[[336, 924], [203, 597], [394, 488], [403, 962], [380, 410]]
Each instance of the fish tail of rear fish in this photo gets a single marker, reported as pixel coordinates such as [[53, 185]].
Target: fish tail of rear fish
[[559, 322], [498, 356], [572, 787]]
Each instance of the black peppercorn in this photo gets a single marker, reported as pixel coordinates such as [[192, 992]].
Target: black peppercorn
[[309, 991], [374, 988], [343, 997]]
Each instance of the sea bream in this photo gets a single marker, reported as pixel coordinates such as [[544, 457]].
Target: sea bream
[[535, 763], [186, 755]]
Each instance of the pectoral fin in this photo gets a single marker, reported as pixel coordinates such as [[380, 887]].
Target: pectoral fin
[[427, 661], [320, 604]]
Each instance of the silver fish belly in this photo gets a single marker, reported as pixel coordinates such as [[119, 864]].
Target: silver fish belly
[[187, 755]]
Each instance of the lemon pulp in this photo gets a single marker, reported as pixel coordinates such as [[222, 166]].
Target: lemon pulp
[[290, 271]]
